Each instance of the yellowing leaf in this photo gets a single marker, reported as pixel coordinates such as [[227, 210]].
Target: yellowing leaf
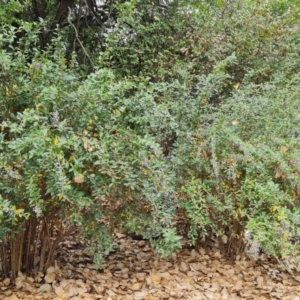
[[56, 140], [85, 144], [283, 149], [224, 239], [278, 174], [281, 215], [237, 86], [79, 178], [17, 211], [184, 51]]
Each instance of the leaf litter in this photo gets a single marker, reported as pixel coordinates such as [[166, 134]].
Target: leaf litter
[[134, 272]]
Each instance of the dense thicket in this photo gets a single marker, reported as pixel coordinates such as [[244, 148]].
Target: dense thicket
[[159, 118]]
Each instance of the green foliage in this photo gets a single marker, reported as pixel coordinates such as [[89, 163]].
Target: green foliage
[[188, 110], [80, 149], [10, 9], [168, 243], [235, 120], [246, 166]]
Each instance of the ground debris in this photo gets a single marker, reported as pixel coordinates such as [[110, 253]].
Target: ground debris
[[135, 273]]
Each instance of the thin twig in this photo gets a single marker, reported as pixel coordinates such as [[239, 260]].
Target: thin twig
[[77, 37]]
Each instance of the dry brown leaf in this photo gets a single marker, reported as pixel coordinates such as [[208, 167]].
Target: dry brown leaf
[[278, 174], [140, 276], [283, 149], [209, 295], [190, 275], [136, 286], [79, 178], [51, 269], [120, 235], [111, 293], [100, 289], [225, 297], [184, 50], [59, 291], [184, 267], [50, 277], [217, 254], [217, 296], [39, 277], [155, 279], [46, 287], [5, 282], [160, 294], [87, 296], [13, 297], [7, 293], [224, 239], [81, 290], [215, 263], [29, 288], [127, 297], [44, 296], [19, 283], [140, 295], [238, 286], [85, 144], [221, 270], [201, 251], [230, 272], [260, 280], [72, 292]]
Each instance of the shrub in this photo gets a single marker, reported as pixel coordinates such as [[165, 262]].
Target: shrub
[[244, 169], [76, 152], [201, 124], [235, 120]]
